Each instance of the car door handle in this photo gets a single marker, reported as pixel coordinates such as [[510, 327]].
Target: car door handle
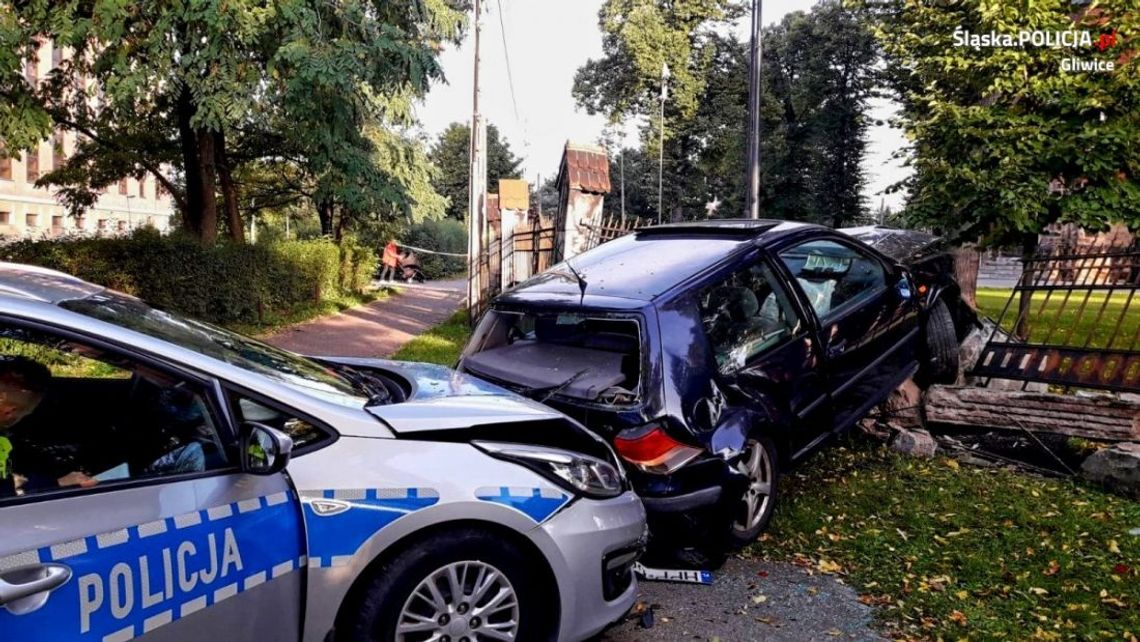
[[836, 349], [25, 589]]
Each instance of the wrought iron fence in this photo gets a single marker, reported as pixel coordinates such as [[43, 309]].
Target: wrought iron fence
[[1072, 320]]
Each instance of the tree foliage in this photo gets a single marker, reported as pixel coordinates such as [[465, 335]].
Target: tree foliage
[[450, 156], [1005, 141], [819, 75], [206, 88]]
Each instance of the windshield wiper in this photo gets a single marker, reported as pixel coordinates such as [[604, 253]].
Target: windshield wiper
[[555, 389], [376, 391]]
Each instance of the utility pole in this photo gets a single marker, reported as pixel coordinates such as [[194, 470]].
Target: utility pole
[[477, 185], [661, 146], [621, 158], [752, 202]]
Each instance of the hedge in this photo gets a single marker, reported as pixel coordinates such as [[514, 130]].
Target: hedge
[[224, 284], [443, 235]]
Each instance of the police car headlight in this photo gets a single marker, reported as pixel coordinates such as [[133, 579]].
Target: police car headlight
[[573, 471]]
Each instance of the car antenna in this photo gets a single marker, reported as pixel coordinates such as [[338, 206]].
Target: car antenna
[[582, 284]]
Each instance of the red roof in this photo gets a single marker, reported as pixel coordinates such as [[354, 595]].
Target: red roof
[[586, 167]]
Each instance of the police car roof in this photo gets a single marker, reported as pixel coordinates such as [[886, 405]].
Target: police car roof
[[41, 284]]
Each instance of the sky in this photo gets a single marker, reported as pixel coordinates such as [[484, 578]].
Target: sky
[[547, 41]]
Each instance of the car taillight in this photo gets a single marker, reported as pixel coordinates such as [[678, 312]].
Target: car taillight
[[652, 450]]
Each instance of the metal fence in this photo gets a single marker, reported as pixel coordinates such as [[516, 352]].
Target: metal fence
[[529, 251], [1073, 320]]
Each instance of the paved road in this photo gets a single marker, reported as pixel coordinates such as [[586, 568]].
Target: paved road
[[377, 329], [751, 600]]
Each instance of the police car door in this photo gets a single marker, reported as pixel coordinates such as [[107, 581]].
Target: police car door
[[166, 538]]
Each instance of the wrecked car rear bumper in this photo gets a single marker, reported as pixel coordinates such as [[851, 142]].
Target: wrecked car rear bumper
[[684, 501]]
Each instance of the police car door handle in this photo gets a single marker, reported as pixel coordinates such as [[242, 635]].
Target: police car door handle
[[25, 589]]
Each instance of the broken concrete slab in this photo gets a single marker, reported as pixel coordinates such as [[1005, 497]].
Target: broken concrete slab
[[917, 443], [1116, 468]]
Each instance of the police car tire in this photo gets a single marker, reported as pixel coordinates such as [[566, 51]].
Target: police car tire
[[394, 581]]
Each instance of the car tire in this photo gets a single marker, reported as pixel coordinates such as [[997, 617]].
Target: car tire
[[941, 363], [392, 596], [753, 510]]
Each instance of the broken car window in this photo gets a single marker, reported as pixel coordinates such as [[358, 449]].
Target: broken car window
[[745, 315]]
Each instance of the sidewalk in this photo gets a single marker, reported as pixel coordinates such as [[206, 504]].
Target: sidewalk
[[377, 329]]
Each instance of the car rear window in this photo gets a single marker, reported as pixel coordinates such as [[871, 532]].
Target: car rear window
[[572, 355]]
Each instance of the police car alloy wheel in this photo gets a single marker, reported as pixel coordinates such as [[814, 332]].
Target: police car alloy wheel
[[467, 600], [463, 584]]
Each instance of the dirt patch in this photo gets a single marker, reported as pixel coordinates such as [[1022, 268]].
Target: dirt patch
[[750, 600]]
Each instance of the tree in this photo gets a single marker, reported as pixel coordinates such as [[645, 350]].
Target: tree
[[1005, 140], [451, 154], [205, 89], [818, 79]]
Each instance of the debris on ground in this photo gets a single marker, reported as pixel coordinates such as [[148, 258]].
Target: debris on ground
[[917, 443], [1116, 468]]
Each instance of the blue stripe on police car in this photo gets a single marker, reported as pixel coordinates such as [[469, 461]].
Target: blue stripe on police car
[[131, 581]]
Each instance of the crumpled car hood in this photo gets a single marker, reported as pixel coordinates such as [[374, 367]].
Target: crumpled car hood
[[904, 246], [443, 399]]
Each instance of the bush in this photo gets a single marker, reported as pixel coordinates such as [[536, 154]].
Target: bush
[[443, 235], [225, 284]]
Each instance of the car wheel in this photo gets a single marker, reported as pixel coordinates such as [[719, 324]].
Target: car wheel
[[941, 345], [754, 509], [461, 585]]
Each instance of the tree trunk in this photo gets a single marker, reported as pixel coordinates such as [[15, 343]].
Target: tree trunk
[[325, 214], [229, 190], [192, 212], [341, 222], [209, 184], [1028, 246], [966, 261]]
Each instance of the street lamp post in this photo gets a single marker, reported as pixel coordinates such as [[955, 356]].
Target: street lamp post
[[752, 202]]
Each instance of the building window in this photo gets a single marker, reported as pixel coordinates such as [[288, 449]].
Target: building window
[[57, 225], [102, 224], [32, 163], [122, 226], [150, 221], [81, 223], [31, 71], [123, 186], [5, 218], [32, 220], [5, 166], [142, 188], [57, 155], [56, 56]]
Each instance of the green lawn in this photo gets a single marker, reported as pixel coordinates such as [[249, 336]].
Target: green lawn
[[442, 344], [1043, 310], [953, 552]]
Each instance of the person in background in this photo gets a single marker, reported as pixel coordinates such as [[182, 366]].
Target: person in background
[[390, 260]]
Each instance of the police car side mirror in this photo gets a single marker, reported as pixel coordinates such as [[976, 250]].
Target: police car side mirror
[[264, 450]]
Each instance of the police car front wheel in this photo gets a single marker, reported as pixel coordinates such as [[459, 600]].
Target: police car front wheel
[[461, 585]]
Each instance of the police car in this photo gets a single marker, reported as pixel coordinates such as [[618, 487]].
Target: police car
[[164, 479]]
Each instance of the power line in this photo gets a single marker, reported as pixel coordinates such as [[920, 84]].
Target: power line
[[507, 56]]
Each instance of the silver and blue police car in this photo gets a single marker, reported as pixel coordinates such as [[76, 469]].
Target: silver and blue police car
[[164, 479]]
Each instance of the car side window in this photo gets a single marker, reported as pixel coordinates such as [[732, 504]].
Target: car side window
[[833, 275], [74, 415], [302, 431], [746, 314]]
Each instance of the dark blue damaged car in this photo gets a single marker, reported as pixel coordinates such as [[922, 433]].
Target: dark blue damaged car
[[713, 355]]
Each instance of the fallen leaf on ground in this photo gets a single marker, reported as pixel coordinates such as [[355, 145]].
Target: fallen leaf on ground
[[958, 617]]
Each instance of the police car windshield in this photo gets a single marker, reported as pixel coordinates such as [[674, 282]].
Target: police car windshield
[[223, 345]]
